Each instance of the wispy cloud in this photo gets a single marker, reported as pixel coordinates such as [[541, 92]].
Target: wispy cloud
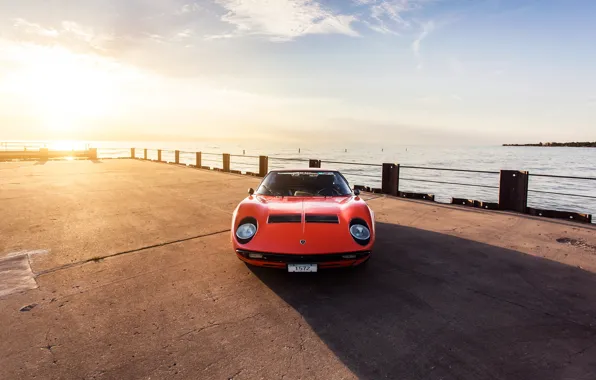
[[391, 16], [189, 8], [285, 20], [32, 28], [427, 29], [68, 32]]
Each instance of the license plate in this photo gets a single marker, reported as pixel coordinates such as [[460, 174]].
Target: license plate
[[302, 267]]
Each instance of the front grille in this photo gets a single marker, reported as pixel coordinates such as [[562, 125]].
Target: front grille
[[287, 258], [285, 218], [317, 218]]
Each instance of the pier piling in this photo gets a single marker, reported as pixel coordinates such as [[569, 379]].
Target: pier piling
[[513, 190], [390, 179], [263, 166], [226, 162]]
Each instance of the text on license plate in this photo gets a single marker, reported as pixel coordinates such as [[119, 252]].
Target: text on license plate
[[302, 267]]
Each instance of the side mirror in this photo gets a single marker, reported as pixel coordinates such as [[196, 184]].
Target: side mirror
[[356, 192], [251, 191]]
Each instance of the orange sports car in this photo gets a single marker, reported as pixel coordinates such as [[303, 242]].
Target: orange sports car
[[303, 220]]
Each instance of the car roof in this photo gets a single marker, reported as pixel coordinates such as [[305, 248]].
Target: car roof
[[305, 170]]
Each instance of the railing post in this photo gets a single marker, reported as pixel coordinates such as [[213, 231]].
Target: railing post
[[513, 190], [92, 153], [226, 162], [177, 156], [390, 179], [132, 152], [159, 155], [44, 154], [145, 154], [314, 163], [263, 166], [199, 160]]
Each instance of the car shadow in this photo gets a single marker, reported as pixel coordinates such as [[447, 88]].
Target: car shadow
[[434, 306]]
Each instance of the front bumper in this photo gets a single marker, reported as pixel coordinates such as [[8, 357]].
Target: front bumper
[[326, 260]]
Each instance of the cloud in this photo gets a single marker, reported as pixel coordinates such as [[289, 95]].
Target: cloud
[[285, 20], [32, 28], [427, 28], [389, 16], [69, 32], [189, 8]]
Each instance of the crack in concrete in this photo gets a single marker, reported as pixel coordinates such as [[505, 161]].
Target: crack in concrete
[[49, 347], [97, 258], [235, 374], [199, 329]]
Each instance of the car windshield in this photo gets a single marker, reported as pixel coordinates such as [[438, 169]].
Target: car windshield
[[307, 183]]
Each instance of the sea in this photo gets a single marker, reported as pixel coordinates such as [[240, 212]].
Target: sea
[[575, 195]]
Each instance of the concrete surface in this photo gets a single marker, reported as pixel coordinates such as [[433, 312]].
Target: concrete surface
[[138, 281]]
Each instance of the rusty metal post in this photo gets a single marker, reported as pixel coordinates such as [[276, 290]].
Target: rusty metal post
[[314, 163], [226, 162], [145, 154], [177, 156], [390, 179], [199, 160], [263, 166], [132, 152], [513, 190], [159, 155], [92, 153]]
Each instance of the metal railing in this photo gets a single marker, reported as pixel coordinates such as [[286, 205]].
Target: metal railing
[[406, 180]]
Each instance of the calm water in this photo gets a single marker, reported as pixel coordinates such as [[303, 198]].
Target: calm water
[[537, 160]]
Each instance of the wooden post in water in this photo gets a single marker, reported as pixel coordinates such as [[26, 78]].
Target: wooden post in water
[[226, 162], [177, 156], [145, 154], [390, 179], [263, 166], [314, 163], [199, 161], [513, 190], [159, 155], [132, 152]]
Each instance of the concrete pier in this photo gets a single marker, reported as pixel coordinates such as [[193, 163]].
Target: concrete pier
[[122, 269]]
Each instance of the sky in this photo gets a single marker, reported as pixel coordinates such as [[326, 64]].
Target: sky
[[349, 71]]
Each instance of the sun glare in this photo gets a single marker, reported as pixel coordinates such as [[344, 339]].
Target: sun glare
[[65, 91]]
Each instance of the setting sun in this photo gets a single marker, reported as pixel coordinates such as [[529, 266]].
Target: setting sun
[[65, 91]]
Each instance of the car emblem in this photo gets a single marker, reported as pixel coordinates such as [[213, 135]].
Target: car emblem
[[302, 242]]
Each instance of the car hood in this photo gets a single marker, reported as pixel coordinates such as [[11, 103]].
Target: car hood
[[322, 227]]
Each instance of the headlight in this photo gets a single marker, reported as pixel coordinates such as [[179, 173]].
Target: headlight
[[246, 231], [360, 232]]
